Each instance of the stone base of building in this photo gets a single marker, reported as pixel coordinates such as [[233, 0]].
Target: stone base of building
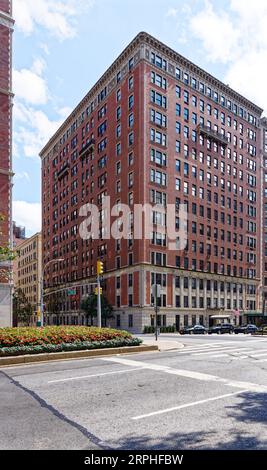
[[134, 319], [5, 305]]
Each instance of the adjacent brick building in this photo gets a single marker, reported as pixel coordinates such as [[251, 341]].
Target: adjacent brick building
[[28, 269], [6, 96], [158, 129]]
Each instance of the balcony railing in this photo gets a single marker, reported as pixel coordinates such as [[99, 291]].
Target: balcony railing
[[212, 134], [64, 170], [89, 147]]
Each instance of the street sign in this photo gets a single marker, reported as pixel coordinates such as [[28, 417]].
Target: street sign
[[156, 290], [71, 292]]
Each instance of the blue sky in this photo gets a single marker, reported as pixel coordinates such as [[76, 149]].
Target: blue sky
[[61, 48]]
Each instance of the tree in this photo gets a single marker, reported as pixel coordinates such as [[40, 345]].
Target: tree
[[22, 309], [6, 256], [89, 306], [52, 307]]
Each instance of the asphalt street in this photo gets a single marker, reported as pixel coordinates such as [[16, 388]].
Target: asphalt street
[[211, 394]]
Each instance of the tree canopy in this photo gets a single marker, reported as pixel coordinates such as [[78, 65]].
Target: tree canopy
[[89, 306]]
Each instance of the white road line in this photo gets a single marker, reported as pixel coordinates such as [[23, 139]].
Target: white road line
[[94, 375], [189, 374], [259, 354], [220, 355], [191, 350], [187, 405], [228, 349]]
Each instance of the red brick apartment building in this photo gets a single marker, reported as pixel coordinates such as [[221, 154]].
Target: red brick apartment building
[[158, 129], [6, 97]]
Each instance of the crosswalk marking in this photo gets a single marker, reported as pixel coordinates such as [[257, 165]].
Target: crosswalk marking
[[236, 350], [228, 349]]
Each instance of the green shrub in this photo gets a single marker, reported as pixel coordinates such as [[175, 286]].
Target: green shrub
[[76, 346]]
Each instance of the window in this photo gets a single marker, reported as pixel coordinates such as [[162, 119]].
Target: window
[[158, 157], [118, 95], [130, 139], [130, 83], [178, 146], [131, 120], [158, 177], [158, 99], [158, 137], [118, 113], [131, 101], [158, 118], [158, 61], [158, 80], [131, 63]]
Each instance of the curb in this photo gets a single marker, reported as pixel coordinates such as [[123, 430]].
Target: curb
[[32, 358], [171, 347]]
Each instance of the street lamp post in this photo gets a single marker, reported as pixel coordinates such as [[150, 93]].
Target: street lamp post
[[40, 319]]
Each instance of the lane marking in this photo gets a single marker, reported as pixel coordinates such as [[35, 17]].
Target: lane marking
[[187, 405], [94, 375], [259, 354], [190, 374], [228, 349]]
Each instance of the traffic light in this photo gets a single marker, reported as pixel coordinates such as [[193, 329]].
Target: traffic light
[[96, 291], [100, 267]]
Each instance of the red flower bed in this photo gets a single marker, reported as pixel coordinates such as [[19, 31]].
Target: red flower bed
[[27, 336]]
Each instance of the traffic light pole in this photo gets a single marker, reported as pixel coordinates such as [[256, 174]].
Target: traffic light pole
[[156, 316], [98, 302]]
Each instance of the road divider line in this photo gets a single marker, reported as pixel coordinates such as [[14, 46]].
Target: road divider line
[[187, 405], [190, 374], [94, 375]]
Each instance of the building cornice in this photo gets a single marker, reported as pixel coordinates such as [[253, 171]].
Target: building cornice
[[98, 86], [198, 71], [6, 20], [145, 39], [7, 173], [7, 92]]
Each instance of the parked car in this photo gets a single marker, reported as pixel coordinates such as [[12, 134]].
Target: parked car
[[246, 329], [221, 329], [262, 329], [194, 330]]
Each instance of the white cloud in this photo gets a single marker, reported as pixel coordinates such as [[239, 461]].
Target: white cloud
[[27, 214], [34, 128], [172, 12], [45, 48], [22, 175], [29, 85], [217, 33], [56, 16], [237, 38]]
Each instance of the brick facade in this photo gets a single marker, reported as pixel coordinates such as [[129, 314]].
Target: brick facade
[[6, 28], [157, 128]]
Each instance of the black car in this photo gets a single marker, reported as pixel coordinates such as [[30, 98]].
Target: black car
[[221, 329], [194, 330], [246, 329]]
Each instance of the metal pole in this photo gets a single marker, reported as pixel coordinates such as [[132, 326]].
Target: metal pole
[[156, 311], [98, 302], [42, 301]]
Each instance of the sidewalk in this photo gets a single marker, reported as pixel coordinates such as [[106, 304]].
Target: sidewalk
[[164, 344]]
